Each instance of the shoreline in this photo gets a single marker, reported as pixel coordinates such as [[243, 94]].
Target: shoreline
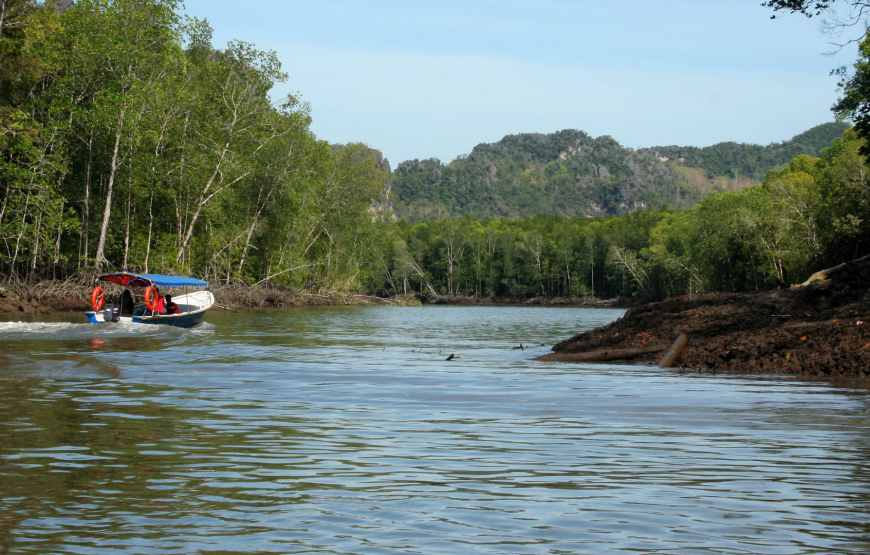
[[579, 302], [73, 296], [819, 329], [55, 298], [814, 330]]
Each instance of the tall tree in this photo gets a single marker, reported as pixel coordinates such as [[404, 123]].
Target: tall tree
[[120, 62], [228, 123]]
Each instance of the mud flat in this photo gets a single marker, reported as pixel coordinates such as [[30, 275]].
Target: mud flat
[[821, 329]]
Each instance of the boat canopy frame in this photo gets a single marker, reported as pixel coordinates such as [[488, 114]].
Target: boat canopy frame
[[127, 279]]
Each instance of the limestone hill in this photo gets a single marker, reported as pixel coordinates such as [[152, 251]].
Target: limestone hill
[[569, 173]]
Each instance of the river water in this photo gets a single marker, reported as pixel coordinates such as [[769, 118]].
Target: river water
[[344, 430]]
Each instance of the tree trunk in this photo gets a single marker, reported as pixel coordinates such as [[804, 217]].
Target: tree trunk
[[823, 277], [603, 355], [179, 213], [5, 197], [86, 214], [20, 234], [568, 280], [247, 244], [57, 243], [32, 273], [203, 199], [127, 229], [2, 9], [150, 226], [451, 265], [100, 258], [260, 207]]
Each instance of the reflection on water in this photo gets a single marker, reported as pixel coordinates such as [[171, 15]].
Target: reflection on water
[[345, 431]]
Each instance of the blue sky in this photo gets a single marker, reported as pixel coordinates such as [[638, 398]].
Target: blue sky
[[420, 79]]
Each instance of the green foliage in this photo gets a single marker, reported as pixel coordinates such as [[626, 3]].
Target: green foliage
[[765, 236], [808, 8], [855, 102], [31, 212], [569, 173], [129, 141], [737, 160]]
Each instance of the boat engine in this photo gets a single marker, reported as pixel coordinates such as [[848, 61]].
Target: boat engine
[[112, 313]]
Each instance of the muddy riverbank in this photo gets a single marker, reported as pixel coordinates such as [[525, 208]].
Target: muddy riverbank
[[821, 330], [54, 296]]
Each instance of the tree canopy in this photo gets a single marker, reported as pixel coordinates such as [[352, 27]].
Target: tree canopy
[[127, 140], [806, 215]]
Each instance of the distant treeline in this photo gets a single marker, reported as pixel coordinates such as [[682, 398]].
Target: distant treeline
[[736, 160], [813, 212], [128, 141]]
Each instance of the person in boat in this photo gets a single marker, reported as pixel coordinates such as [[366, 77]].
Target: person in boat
[[169, 306], [160, 303], [127, 304]]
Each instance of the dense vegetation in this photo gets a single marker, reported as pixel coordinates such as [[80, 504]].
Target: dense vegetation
[[128, 140], [737, 160], [562, 174], [569, 173], [813, 212]]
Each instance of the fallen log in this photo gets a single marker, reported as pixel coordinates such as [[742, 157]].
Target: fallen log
[[675, 350], [602, 355], [823, 277], [798, 325]]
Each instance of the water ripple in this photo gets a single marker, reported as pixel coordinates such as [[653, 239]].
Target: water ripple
[[321, 431]]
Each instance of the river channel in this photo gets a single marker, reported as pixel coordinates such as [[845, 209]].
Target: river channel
[[345, 430]]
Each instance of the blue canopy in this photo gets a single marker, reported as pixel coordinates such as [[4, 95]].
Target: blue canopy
[[144, 280]]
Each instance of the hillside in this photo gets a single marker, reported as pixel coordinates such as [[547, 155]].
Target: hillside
[[569, 173], [738, 160]]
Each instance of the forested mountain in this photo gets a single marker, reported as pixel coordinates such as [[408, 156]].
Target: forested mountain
[[737, 160], [569, 173]]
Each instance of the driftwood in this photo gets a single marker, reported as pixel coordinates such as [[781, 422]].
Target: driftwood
[[675, 350], [602, 355], [823, 277], [798, 325]]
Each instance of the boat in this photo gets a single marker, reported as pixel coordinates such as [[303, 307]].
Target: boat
[[191, 306]]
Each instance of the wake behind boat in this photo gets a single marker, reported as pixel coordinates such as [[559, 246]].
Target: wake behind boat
[[187, 311]]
